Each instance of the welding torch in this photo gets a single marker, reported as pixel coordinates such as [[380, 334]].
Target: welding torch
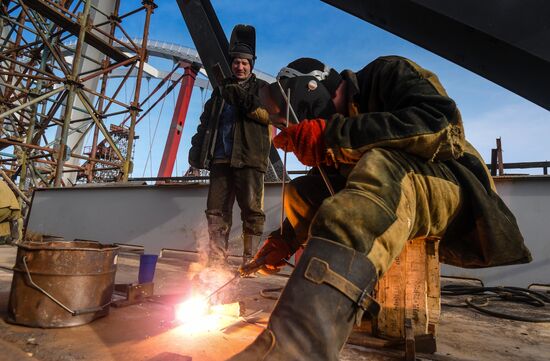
[[257, 264], [244, 271], [252, 266]]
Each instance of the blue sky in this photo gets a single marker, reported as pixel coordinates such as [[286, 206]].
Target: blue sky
[[290, 29]]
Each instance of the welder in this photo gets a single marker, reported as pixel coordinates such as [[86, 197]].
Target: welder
[[402, 170], [237, 127], [11, 222]]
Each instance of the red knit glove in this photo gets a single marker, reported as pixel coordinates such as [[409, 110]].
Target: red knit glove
[[273, 252], [305, 140]]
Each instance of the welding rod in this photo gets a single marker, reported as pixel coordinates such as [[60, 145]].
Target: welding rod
[[252, 266], [220, 288], [287, 100], [284, 162]]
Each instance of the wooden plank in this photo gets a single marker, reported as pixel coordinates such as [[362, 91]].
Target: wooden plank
[[416, 290], [410, 290], [434, 284], [410, 349], [391, 296]]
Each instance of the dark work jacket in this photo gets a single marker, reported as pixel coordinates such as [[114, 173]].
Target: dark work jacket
[[396, 104], [251, 139]]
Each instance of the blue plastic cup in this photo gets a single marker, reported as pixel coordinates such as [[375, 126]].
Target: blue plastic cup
[[147, 264]]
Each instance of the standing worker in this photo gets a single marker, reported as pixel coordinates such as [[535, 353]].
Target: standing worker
[[239, 132], [397, 138]]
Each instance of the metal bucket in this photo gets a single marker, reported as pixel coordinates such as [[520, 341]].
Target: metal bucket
[[61, 284]]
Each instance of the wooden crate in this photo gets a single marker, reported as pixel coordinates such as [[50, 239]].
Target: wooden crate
[[410, 289], [409, 298]]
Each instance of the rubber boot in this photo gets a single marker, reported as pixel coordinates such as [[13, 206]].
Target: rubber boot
[[326, 295], [218, 232], [217, 250], [250, 247]]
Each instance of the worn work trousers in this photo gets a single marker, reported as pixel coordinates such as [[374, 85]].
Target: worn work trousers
[[246, 185], [389, 197], [303, 197]]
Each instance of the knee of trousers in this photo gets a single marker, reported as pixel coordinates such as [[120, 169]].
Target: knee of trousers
[[254, 226], [218, 222], [353, 218]]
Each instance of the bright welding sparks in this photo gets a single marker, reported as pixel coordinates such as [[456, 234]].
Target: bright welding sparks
[[196, 316], [192, 310]]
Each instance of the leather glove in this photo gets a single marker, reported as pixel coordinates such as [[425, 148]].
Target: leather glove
[[273, 252], [260, 115], [305, 140], [236, 95]]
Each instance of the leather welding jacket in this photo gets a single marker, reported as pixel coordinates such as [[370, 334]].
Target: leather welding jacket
[[398, 106], [251, 140]]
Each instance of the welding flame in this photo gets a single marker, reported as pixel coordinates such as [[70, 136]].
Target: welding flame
[[192, 310], [197, 314]]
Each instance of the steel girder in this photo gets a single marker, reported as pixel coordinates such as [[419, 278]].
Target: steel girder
[[504, 41]]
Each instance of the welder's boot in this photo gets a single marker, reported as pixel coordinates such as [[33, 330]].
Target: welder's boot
[[250, 247], [217, 250], [327, 293], [218, 231]]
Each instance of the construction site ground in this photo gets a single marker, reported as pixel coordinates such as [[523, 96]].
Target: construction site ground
[[146, 332]]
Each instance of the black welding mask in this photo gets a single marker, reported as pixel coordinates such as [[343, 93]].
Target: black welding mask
[[312, 85], [242, 43]]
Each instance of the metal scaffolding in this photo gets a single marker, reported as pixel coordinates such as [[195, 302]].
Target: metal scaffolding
[[52, 95], [66, 70]]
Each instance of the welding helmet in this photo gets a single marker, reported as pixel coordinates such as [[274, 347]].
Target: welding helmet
[[242, 43], [312, 85]]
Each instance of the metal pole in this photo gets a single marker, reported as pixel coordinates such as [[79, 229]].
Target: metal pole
[[34, 101], [71, 80], [86, 102], [32, 120], [284, 164], [18, 38], [134, 109], [499, 157], [50, 150], [178, 121]]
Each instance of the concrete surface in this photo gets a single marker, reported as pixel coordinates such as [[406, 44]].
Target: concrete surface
[[145, 332]]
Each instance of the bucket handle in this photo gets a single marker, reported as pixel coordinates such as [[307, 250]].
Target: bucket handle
[[72, 312]]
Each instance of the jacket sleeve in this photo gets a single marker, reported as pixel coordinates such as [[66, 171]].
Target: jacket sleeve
[[410, 112], [198, 139], [256, 111]]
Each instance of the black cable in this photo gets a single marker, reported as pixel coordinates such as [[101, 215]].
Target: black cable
[[483, 295], [265, 293]]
